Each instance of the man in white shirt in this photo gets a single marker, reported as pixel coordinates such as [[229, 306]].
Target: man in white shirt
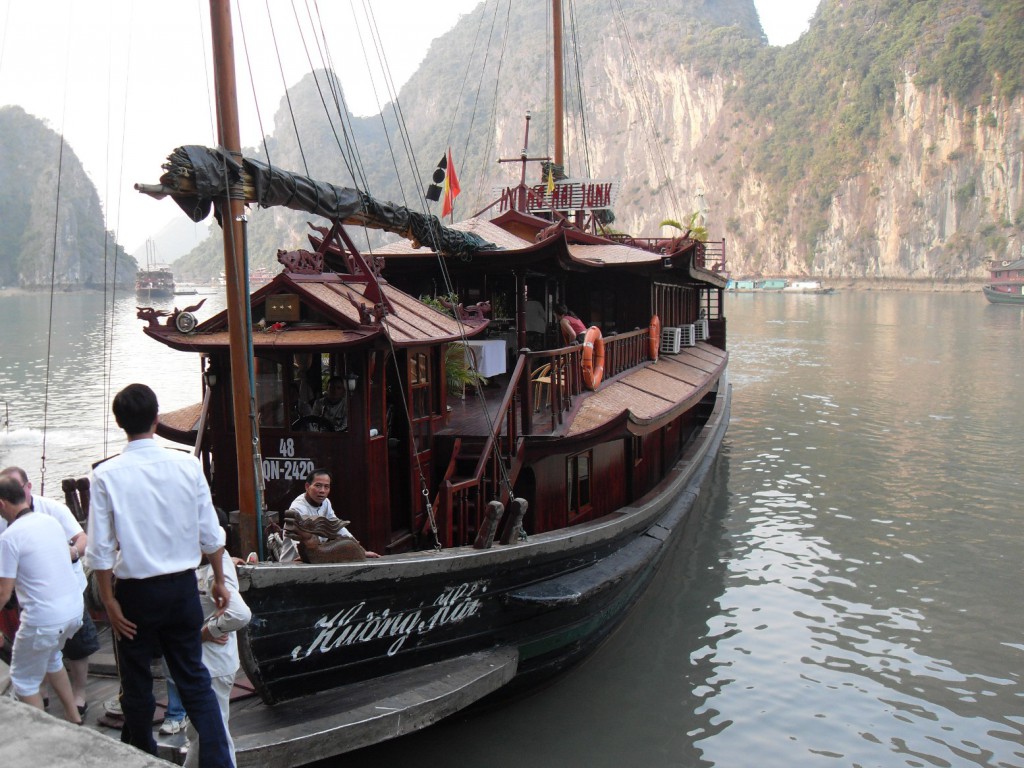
[[315, 502], [150, 519], [85, 641], [34, 561]]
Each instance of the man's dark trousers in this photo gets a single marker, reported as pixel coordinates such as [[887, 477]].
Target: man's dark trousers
[[169, 619]]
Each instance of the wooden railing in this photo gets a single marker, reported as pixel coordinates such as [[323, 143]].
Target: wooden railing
[[462, 496], [461, 500], [710, 254]]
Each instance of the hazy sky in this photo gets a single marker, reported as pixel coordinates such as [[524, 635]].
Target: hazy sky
[[77, 63]]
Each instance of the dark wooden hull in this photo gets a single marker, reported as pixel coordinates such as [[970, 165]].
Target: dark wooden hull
[[1004, 297], [553, 597]]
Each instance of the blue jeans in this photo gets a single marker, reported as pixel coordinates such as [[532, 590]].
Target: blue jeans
[[168, 617], [175, 709]]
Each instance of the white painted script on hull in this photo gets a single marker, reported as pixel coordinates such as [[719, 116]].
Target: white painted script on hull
[[355, 625]]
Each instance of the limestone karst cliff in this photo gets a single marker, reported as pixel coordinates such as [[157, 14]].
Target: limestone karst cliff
[[886, 142], [43, 244]]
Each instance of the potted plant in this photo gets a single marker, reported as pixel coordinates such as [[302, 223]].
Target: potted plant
[[458, 373]]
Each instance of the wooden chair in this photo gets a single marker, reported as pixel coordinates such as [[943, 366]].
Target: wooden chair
[[540, 379]]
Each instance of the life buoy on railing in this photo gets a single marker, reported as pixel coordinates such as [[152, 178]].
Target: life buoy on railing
[[654, 340], [593, 358]]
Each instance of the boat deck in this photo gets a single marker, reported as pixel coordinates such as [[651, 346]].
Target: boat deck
[[314, 727], [646, 392]]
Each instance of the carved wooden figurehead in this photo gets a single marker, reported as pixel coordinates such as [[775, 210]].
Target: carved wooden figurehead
[[308, 530]]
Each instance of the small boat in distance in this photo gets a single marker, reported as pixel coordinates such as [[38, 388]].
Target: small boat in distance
[[259, 277], [777, 285], [154, 282], [765, 285], [807, 286], [1007, 282]]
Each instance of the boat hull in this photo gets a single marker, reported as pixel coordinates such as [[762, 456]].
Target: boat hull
[[1004, 296], [554, 597]]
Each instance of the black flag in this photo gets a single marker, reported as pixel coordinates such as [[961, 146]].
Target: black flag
[[437, 187]]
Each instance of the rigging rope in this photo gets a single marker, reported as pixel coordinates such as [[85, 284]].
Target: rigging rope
[[485, 160], [287, 93], [573, 26], [108, 352], [642, 95]]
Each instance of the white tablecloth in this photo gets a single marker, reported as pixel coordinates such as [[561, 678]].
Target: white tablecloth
[[487, 357]]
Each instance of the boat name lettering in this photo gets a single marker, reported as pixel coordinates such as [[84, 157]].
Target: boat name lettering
[[281, 468], [355, 624], [568, 194]]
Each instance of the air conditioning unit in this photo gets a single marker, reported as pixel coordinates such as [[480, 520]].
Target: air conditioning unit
[[670, 341], [701, 327], [687, 335]]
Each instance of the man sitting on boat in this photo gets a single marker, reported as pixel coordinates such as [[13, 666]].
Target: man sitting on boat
[[314, 503], [334, 405]]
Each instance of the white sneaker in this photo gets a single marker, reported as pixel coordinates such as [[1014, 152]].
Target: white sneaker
[[113, 706], [171, 727]]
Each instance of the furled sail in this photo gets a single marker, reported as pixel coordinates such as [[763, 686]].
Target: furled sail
[[196, 176]]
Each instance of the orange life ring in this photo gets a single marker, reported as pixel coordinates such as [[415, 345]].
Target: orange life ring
[[654, 340], [593, 358]]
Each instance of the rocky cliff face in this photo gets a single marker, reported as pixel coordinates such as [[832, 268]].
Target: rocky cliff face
[[937, 198], [939, 194], [43, 244], [933, 190]]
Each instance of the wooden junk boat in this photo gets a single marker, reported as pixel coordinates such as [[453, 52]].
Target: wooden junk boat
[[154, 283], [1006, 285], [517, 521]]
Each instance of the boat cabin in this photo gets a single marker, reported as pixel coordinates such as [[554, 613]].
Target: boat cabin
[[379, 346]]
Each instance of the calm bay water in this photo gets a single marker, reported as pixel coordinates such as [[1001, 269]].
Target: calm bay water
[[849, 593], [56, 387]]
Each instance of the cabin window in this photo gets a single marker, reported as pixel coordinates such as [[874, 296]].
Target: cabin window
[[270, 392], [420, 397], [578, 471]]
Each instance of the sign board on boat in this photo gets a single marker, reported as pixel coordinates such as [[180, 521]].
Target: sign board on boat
[[567, 195]]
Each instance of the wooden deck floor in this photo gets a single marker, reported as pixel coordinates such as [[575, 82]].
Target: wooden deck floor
[[646, 391], [473, 414]]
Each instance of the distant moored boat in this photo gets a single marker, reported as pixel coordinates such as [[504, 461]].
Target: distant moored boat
[[1007, 282]]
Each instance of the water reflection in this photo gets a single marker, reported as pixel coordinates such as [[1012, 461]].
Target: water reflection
[[863, 564]]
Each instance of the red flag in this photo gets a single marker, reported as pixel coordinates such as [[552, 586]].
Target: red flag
[[451, 186]]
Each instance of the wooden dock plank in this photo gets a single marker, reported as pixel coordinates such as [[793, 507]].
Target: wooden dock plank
[[315, 727], [321, 725]]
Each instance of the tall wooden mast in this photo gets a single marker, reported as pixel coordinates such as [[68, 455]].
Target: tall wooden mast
[[232, 211], [556, 33]]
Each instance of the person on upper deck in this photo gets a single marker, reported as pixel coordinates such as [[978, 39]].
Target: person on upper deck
[[573, 329], [315, 502]]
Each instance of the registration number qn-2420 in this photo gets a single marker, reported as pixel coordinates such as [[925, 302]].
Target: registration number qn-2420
[[279, 468]]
